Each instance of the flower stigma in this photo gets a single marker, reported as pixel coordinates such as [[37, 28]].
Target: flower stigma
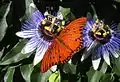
[[51, 26]]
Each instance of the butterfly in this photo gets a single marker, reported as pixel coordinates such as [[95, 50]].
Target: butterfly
[[65, 45]]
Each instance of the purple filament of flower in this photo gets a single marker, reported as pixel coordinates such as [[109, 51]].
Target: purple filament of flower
[[33, 22]]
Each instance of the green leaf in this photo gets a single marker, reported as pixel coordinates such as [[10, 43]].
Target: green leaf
[[117, 1], [69, 68], [116, 66], [1, 52], [97, 76], [37, 76], [89, 15], [15, 55], [3, 24], [30, 8], [67, 81], [90, 73], [55, 77], [44, 76], [107, 78], [66, 12], [79, 80], [6, 67], [26, 71], [9, 75], [104, 67], [119, 26]]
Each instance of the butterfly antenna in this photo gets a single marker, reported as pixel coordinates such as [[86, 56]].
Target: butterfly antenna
[[95, 17]]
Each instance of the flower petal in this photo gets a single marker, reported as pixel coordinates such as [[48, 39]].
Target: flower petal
[[114, 44], [86, 53], [33, 21], [114, 27], [96, 57], [115, 54], [43, 46], [116, 39], [113, 51], [37, 17], [96, 63], [26, 34], [90, 23], [84, 56], [30, 46], [90, 49], [27, 25], [86, 36], [53, 68], [106, 55]]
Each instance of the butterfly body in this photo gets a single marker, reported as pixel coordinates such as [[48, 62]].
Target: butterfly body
[[68, 42]]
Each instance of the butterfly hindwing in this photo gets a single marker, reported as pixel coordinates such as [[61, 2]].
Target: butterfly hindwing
[[49, 58]]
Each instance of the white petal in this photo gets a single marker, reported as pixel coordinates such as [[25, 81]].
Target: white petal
[[96, 63], [106, 55], [70, 61], [30, 46], [115, 54], [54, 68], [86, 53], [84, 56], [26, 34], [94, 45], [40, 52], [88, 50]]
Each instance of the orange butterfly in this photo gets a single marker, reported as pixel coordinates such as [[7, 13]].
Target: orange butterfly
[[68, 42]]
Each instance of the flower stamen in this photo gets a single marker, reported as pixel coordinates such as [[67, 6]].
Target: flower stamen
[[100, 32], [51, 26]]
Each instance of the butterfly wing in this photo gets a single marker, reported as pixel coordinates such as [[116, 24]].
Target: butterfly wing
[[68, 42]]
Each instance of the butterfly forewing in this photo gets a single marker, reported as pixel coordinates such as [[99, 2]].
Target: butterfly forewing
[[68, 42], [73, 36]]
